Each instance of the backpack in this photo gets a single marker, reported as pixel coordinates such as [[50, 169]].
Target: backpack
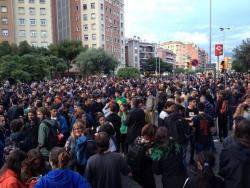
[[176, 128], [135, 156], [53, 140], [81, 152]]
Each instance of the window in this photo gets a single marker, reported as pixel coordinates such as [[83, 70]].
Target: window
[[92, 5], [101, 6], [103, 37], [44, 34], [32, 10], [77, 28], [77, 8], [93, 26], [21, 10], [34, 44], [102, 27], [31, 1], [22, 33], [93, 45], [42, 1], [44, 44], [4, 21], [4, 9], [84, 6], [93, 16], [32, 21], [20, 1], [42, 11], [43, 21], [86, 46], [21, 21], [86, 37], [5, 32], [33, 33], [93, 36], [85, 27], [121, 25], [102, 16], [85, 17]]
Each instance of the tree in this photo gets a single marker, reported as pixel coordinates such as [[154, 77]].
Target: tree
[[241, 56], [24, 48], [150, 65], [67, 50], [95, 61], [5, 48], [179, 70], [128, 72]]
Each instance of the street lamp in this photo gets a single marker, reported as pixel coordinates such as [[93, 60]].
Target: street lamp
[[223, 29]]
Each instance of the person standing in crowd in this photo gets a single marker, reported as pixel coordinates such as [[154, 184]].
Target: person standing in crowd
[[60, 176], [222, 112], [150, 107], [135, 121], [124, 128], [47, 132], [205, 177], [10, 173], [235, 159], [168, 159], [139, 157], [202, 124], [14, 111], [164, 113], [190, 112], [104, 169], [115, 120]]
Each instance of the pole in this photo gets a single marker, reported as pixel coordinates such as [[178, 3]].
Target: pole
[[218, 59], [210, 33]]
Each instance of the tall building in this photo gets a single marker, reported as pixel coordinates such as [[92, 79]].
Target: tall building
[[133, 53], [6, 24], [97, 23], [33, 22], [66, 20]]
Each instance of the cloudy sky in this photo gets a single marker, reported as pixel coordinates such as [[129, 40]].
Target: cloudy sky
[[188, 20]]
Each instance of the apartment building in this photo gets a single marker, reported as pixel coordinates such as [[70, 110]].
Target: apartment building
[[166, 55], [132, 49], [186, 53], [66, 20], [7, 29], [33, 22], [180, 50]]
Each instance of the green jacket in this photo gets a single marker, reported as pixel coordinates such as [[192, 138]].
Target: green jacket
[[43, 136]]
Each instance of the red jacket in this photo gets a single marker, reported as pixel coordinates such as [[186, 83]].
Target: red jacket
[[9, 180]]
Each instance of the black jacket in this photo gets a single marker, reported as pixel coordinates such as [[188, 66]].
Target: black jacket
[[235, 166], [135, 121]]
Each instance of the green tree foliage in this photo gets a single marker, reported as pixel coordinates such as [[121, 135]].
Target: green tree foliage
[[150, 65], [241, 61], [179, 70], [67, 50], [25, 63], [128, 72], [95, 61]]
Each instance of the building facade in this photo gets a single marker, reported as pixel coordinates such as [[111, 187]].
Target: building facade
[[180, 50], [186, 53], [7, 27], [133, 53], [166, 55], [33, 22]]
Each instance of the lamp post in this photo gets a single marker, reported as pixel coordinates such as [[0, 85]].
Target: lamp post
[[223, 29]]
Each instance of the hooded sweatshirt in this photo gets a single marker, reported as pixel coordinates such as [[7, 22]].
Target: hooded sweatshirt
[[235, 165], [60, 178], [9, 180]]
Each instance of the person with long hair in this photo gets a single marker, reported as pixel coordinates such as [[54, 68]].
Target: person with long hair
[[10, 174], [104, 169], [33, 166], [205, 177], [60, 175], [167, 158]]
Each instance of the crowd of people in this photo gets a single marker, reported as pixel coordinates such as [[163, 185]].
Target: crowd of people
[[88, 132]]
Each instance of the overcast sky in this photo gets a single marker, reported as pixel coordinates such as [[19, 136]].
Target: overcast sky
[[188, 20]]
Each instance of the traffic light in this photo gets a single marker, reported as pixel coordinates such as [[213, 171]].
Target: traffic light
[[189, 65], [222, 66]]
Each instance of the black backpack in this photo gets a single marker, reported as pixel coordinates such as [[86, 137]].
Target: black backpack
[[135, 156], [53, 140], [177, 129]]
